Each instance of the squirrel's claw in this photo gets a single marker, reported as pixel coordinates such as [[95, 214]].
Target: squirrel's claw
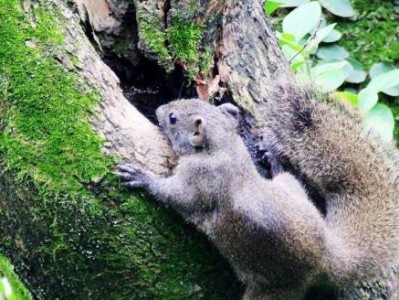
[[132, 175]]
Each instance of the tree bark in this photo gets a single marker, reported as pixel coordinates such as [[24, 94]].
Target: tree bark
[[100, 241]]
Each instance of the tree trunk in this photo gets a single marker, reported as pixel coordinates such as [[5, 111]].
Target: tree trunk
[[66, 224]]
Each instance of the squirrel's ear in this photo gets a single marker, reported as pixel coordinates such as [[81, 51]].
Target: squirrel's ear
[[197, 137], [231, 111]]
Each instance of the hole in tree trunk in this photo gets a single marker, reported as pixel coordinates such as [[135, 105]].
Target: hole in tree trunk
[[146, 85]]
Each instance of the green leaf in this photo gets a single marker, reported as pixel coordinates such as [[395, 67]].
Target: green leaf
[[356, 77], [358, 74], [323, 33], [328, 76], [302, 20], [293, 45], [299, 63], [332, 52], [357, 65], [330, 80], [342, 8], [293, 3], [296, 65], [289, 53], [367, 99], [385, 81], [289, 40], [348, 97], [288, 37], [325, 66], [381, 119], [334, 36], [381, 68], [271, 6]]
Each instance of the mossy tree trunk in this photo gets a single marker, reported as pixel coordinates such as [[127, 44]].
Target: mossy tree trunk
[[68, 227]]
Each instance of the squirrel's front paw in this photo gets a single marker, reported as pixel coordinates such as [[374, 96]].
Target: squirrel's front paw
[[132, 175]]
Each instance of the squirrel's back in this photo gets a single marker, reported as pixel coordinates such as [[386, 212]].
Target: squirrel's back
[[328, 145]]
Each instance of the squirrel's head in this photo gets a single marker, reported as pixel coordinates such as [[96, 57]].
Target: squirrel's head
[[195, 125]]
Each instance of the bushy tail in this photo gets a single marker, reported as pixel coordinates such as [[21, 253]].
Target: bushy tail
[[355, 172]]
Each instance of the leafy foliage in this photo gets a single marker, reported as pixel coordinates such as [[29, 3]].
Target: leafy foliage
[[341, 8], [311, 53]]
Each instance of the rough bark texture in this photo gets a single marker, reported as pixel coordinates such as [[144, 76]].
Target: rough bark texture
[[127, 132], [251, 62]]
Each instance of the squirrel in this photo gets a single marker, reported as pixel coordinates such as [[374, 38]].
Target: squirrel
[[346, 161], [277, 241]]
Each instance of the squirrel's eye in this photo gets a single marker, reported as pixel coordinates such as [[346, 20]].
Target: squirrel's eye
[[172, 118]]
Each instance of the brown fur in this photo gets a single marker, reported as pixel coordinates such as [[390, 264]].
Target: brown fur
[[270, 231], [357, 173]]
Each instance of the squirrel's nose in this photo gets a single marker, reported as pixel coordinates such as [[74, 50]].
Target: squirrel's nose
[[159, 112]]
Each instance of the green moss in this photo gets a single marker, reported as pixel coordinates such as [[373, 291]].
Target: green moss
[[184, 38], [47, 134], [19, 292], [60, 207], [371, 37], [134, 252], [178, 43], [151, 30]]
